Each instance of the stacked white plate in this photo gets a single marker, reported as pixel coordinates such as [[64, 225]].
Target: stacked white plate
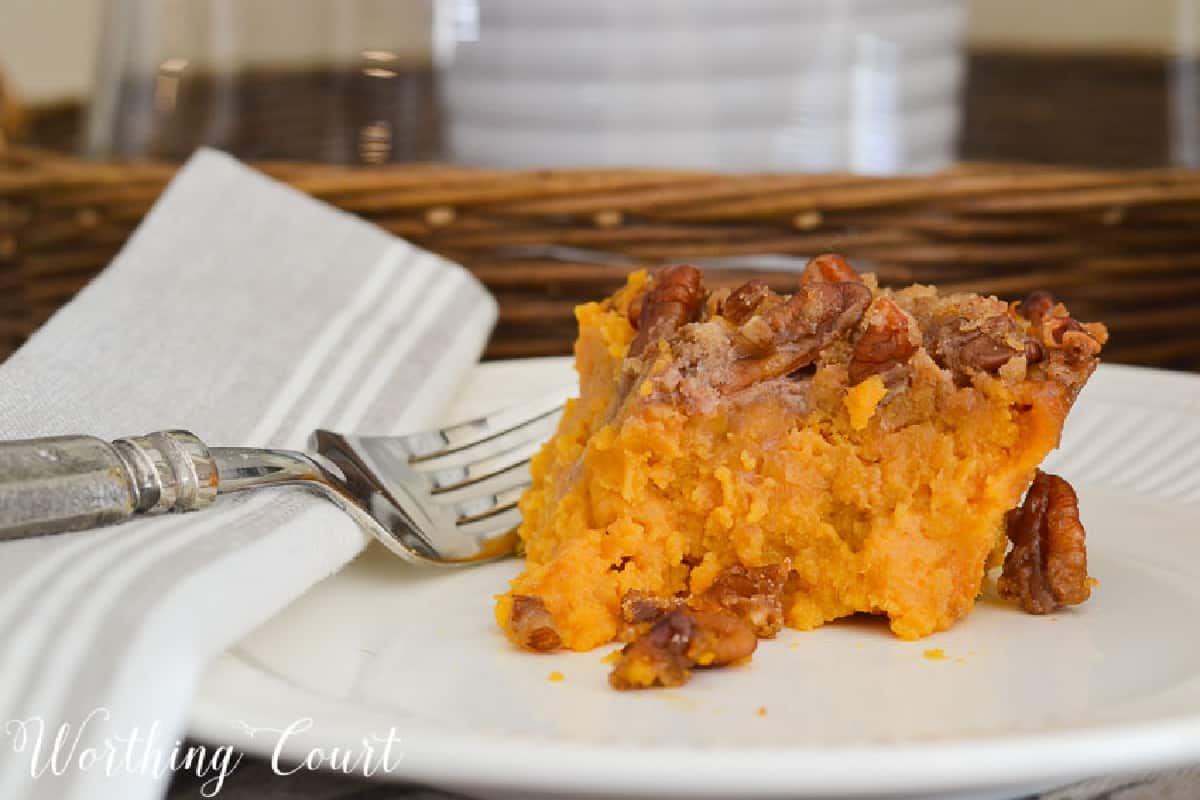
[[811, 85]]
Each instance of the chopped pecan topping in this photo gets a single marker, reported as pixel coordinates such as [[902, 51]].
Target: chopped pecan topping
[[829, 268], [814, 312], [674, 300], [1073, 338], [719, 638], [684, 638], [640, 608], [887, 340], [531, 625], [983, 352], [1057, 329], [986, 347], [658, 657], [1036, 305], [635, 311], [1047, 566], [792, 334], [744, 301], [754, 594]]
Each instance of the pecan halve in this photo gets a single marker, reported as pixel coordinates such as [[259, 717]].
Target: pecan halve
[[886, 341], [792, 334], [829, 268], [531, 625], [984, 348], [744, 301], [674, 300], [684, 638], [1047, 566], [754, 594]]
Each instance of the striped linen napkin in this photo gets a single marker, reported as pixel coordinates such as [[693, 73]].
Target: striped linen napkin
[[249, 314]]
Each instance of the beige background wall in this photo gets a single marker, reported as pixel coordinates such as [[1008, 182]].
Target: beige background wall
[[1138, 25], [47, 46]]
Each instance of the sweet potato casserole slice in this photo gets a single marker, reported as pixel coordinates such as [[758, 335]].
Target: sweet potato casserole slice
[[742, 460]]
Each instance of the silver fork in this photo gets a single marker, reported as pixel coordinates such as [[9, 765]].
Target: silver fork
[[445, 496]]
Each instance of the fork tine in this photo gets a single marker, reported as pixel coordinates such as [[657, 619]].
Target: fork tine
[[487, 526], [537, 431], [455, 438], [448, 479], [516, 475], [489, 505]]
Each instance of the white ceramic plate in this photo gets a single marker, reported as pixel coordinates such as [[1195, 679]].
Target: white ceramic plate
[[1018, 702]]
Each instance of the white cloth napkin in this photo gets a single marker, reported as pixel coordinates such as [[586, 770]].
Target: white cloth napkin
[[249, 314]]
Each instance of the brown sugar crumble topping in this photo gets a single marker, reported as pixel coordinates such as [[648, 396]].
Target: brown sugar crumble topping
[[751, 338]]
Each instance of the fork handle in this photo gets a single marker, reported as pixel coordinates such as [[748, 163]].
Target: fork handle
[[71, 483]]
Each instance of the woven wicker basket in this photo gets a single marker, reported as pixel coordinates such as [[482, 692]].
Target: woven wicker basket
[[1120, 247]]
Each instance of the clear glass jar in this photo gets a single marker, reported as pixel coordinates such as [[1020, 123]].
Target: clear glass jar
[[335, 81]]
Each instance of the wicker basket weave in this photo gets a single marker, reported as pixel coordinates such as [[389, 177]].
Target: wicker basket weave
[[1120, 247]]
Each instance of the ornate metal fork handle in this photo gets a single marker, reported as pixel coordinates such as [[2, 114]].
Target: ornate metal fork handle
[[69, 483]]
